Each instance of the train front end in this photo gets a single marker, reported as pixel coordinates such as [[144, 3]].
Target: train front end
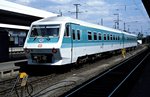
[[42, 45]]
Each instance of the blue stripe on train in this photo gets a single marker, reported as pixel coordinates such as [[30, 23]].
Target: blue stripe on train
[[42, 40], [68, 45]]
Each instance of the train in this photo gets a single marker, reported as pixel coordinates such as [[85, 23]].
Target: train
[[57, 41]]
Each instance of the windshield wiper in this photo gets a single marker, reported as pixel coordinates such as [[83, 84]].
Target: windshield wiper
[[35, 38], [48, 38]]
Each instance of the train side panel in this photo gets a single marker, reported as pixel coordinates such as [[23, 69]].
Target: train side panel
[[79, 44]]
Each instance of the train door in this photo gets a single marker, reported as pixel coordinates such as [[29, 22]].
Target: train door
[[67, 43], [123, 40], [74, 38]]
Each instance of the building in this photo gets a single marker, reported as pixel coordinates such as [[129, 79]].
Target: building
[[15, 20]]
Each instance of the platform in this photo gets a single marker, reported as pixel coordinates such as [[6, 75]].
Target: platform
[[15, 49], [142, 86], [9, 68]]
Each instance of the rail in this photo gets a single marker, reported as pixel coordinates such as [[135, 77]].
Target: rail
[[109, 83]]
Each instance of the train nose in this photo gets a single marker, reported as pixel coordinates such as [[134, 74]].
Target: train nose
[[46, 56], [42, 58]]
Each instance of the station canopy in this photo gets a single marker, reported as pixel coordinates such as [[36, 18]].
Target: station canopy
[[147, 6], [18, 16]]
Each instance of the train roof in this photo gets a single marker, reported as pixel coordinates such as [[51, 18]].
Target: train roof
[[76, 21]]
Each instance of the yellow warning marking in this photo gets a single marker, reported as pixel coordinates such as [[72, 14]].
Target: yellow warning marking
[[23, 75], [123, 52]]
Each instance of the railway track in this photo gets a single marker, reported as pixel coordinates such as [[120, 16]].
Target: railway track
[[7, 85], [40, 83], [115, 82], [37, 83]]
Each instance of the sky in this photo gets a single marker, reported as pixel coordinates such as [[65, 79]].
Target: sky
[[130, 12]]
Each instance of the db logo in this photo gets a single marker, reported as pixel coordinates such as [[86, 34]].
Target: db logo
[[41, 40], [40, 45]]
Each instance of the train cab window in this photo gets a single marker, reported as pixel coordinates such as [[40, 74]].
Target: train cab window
[[107, 36], [104, 36], [95, 36], [45, 30], [89, 35], [52, 30], [73, 34], [67, 31], [78, 34], [34, 32], [99, 36]]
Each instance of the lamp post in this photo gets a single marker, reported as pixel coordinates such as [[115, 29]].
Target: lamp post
[[101, 21], [77, 10], [117, 21], [128, 28]]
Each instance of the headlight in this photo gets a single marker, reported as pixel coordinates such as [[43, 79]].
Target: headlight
[[26, 50], [54, 50]]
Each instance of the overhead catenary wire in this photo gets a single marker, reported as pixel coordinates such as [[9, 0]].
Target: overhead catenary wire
[[142, 13]]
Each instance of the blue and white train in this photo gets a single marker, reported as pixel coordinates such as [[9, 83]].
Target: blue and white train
[[63, 40]]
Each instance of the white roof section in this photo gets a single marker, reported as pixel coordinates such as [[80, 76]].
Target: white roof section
[[50, 20], [14, 26], [14, 7]]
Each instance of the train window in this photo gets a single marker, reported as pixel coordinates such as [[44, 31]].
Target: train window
[[73, 34], [113, 37], [99, 36], [52, 31], [118, 38], [124, 38], [104, 36], [110, 37], [45, 30], [34, 32], [95, 36], [107, 36], [67, 31], [89, 35], [78, 34]]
